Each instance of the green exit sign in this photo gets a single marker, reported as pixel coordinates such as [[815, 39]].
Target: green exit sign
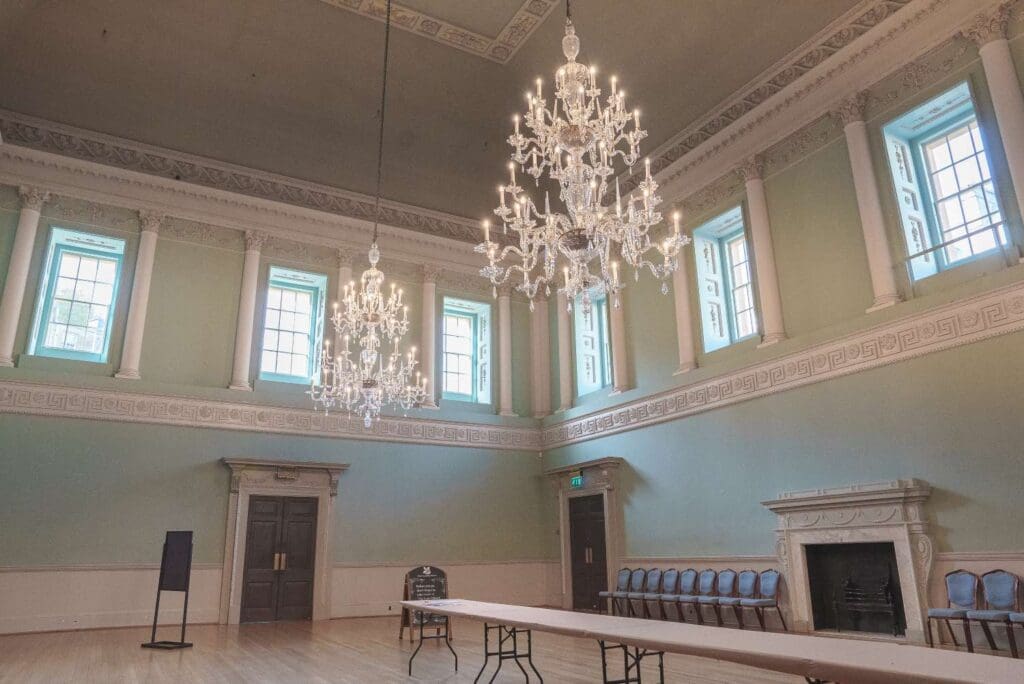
[[576, 481]]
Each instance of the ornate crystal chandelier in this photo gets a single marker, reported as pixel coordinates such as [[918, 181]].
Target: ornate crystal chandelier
[[373, 377], [577, 143]]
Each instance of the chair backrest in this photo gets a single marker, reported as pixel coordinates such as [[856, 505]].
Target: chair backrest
[[706, 584], [769, 582], [748, 584], [726, 582], [1000, 589], [622, 579], [653, 580], [670, 581], [962, 589], [687, 581], [636, 579]]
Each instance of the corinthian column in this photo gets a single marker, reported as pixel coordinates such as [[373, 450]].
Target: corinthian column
[[254, 241], [131, 352], [428, 333], [684, 318], [540, 357], [564, 353], [344, 278], [32, 200], [764, 254], [872, 221], [620, 357], [989, 33], [505, 351]]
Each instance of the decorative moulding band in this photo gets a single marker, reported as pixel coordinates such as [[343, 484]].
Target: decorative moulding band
[[681, 562], [969, 320], [101, 567], [444, 564], [99, 404]]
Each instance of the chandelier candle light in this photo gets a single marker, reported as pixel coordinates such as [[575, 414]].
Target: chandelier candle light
[[577, 144], [372, 378]]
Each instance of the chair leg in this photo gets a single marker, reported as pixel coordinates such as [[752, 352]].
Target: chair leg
[[968, 637], [782, 619], [700, 613], [1011, 638], [738, 612], [718, 614], [988, 634], [760, 617], [953, 634]]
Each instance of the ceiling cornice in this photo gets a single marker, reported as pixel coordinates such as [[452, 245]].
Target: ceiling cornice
[[500, 48], [25, 131]]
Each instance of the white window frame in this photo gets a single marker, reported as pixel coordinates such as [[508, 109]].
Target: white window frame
[[313, 285], [478, 316], [591, 331], [725, 286]]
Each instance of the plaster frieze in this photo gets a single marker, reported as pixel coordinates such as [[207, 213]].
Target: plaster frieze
[[989, 25], [499, 48], [32, 197], [976, 318], [103, 404]]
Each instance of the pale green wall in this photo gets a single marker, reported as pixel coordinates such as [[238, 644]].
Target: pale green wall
[[80, 491], [693, 486]]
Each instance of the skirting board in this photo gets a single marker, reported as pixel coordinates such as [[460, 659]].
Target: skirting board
[[54, 598]]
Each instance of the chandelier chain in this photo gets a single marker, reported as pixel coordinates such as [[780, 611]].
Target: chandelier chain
[[380, 130]]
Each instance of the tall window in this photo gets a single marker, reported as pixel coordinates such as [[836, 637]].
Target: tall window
[[723, 281], [943, 183], [77, 297], [465, 351], [593, 346], [293, 325]]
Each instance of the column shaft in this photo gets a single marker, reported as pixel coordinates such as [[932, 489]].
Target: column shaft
[[246, 312], [17, 270], [505, 352], [428, 335], [131, 352], [620, 357], [1008, 102], [764, 254], [540, 358], [564, 353], [684, 318]]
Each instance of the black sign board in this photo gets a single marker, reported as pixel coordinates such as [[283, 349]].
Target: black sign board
[[175, 573], [425, 583], [176, 566]]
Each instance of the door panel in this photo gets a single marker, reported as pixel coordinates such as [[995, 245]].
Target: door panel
[[587, 551], [281, 532]]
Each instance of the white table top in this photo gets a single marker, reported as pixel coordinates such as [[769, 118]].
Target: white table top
[[843, 660]]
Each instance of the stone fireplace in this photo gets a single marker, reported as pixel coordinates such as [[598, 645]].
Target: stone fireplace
[[874, 513]]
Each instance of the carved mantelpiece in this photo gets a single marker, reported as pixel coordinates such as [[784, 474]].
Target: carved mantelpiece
[[600, 477], [891, 511], [276, 477]]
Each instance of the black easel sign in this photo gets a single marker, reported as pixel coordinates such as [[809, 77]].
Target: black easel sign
[[175, 575], [425, 583]]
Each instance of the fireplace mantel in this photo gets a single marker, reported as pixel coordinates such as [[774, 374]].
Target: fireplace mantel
[[891, 511]]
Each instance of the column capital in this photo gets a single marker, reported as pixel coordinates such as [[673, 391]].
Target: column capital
[[254, 240], [431, 273], [752, 168], [150, 221], [851, 109], [988, 26], [505, 290], [33, 198]]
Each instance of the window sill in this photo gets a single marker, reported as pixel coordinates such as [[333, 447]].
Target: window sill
[[962, 272], [280, 386], [59, 364]]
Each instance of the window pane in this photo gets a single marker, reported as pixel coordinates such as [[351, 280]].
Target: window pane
[[270, 339], [69, 265], [938, 155], [945, 183], [949, 213], [960, 144], [65, 288], [967, 173], [106, 271], [87, 269], [83, 291], [274, 298]]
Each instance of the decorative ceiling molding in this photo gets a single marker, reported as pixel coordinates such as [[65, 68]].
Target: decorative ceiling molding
[[37, 134], [997, 312], [129, 407], [500, 48]]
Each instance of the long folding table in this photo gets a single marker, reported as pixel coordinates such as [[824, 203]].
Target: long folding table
[[818, 659]]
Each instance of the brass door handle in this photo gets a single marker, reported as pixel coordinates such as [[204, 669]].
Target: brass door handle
[[277, 561], [284, 561]]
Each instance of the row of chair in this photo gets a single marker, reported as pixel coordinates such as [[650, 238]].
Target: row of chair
[[997, 603], [664, 595]]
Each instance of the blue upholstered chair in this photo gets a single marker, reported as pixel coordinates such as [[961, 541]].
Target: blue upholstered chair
[[746, 588], [636, 585], [1001, 590], [961, 596], [656, 601], [725, 587], [687, 592], [621, 586], [705, 588], [637, 599], [768, 590]]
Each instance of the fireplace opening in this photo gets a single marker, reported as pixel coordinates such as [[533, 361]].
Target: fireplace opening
[[855, 588]]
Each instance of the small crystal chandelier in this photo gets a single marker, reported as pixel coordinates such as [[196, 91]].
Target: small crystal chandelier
[[373, 377], [576, 143]]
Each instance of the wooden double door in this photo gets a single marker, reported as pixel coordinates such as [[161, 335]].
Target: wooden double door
[[280, 549], [587, 551]]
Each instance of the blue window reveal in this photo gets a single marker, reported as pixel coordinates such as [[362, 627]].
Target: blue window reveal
[[465, 351], [943, 183], [293, 325], [78, 294], [724, 283], [593, 348]]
